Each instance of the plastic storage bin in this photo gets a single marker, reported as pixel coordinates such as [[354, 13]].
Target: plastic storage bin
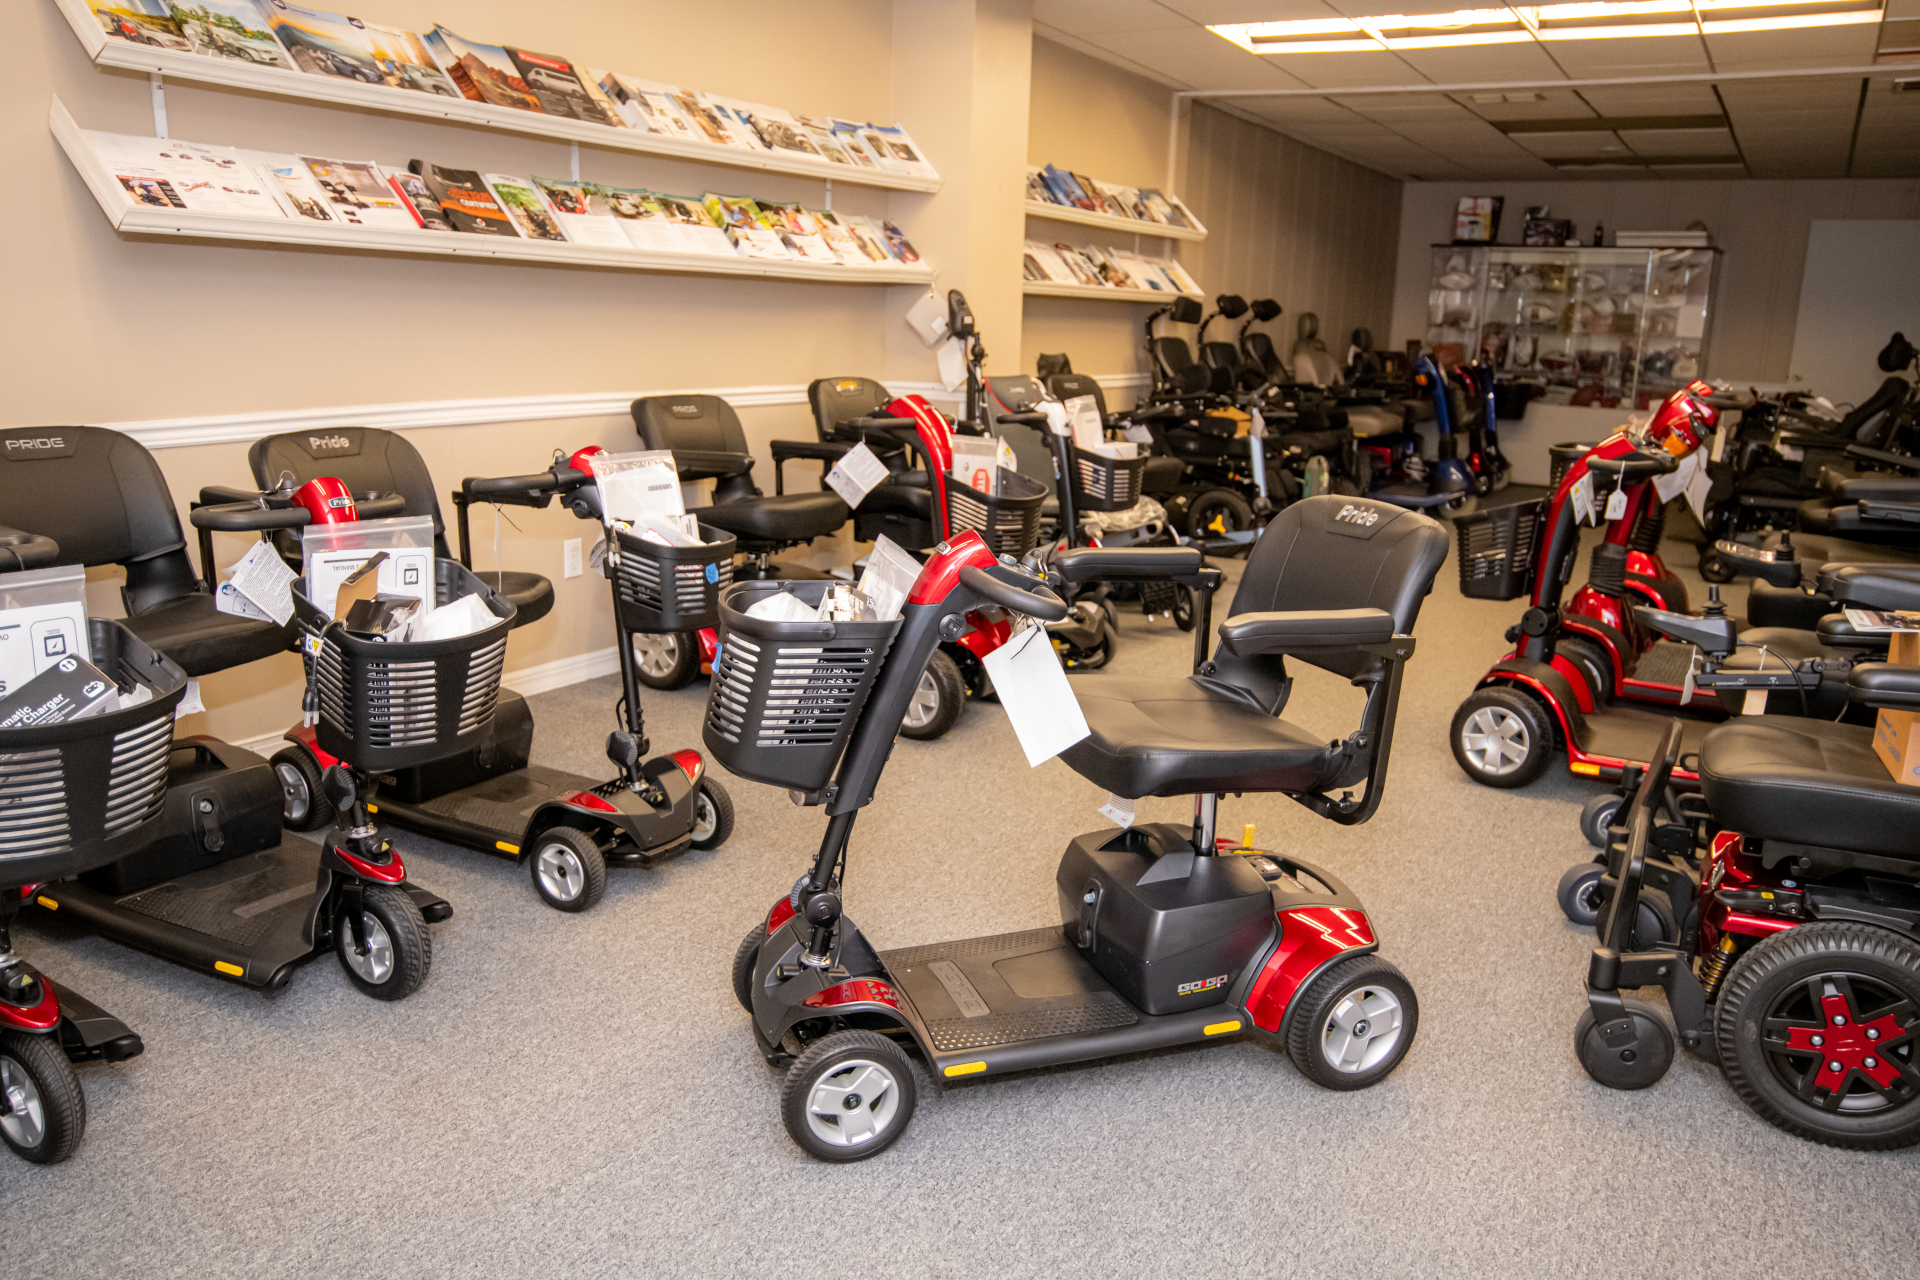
[[1009, 521], [1101, 483], [80, 795], [1497, 550], [1564, 455], [669, 589], [388, 706], [786, 695]]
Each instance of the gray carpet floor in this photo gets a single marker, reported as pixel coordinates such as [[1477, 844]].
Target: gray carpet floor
[[580, 1096]]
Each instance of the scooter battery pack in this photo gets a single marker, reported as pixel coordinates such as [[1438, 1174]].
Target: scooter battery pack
[[222, 802], [1171, 930], [505, 748]]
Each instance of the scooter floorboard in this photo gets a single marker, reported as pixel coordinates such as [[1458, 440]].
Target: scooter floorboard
[[1630, 733], [490, 815], [1015, 1001]]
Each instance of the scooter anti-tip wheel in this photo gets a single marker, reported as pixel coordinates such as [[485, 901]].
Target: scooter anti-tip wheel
[[848, 1097], [569, 871], [399, 949], [1597, 814], [937, 700], [712, 815], [1816, 1030], [1579, 893], [303, 805], [1501, 737], [46, 1111], [1354, 1022], [1636, 1067]]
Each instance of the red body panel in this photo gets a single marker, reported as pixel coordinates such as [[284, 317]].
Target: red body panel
[[327, 500], [858, 991], [690, 764], [1609, 766], [588, 800], [942, 572], [1588, 603], [782, 912], [986, 635], [1309, 937], [392, 873], [41, 1017], [305, 736], [936, 437], [709, 648], [1581, 694]]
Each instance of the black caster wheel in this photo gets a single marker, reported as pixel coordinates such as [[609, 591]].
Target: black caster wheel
[[745, 956], [669, 660], [1183, 608], [712, 815], [47, 1112], [1815, 1027], [1579, 893], [1631, 1068], [1091, 659], [399, 949], [1596, 815], [1218, 511], [569, 871], [303, 805], [1715, 567], [848, 1097], [1501, 737], [937, 699], [1353, 1023]]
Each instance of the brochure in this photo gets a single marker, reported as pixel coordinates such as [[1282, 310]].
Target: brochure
[[895, 152], [525, 207], [898, 244], [776, 129], [872, 243], [482, 72], [464, 199], [292, 182], [322, 43], [699, 230], [647, 104], [43, 619], [358, 194], [845, 246], [641, 220], [160, 173], [144, 22], [582, 212], [230, 29], [709, 122], [636, 485], [417, 198], [819, 131], [799, 231], [558, 86], [847, 134], [403, 60]]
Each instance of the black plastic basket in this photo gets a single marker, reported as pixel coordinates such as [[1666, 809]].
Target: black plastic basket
[[1564, 455], [786, 695], [1101, 483], [1497, 550], [77, 796], [668, 589], [1008, 521], [388, 706]]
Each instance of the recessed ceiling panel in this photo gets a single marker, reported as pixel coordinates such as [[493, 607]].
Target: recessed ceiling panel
[[1698, 172], [1339, 70], [1654, 100], [1216, 12], [1198, 57], [1644, 56], [1533, 104], [1097, 17], [1586, 144], [1654, 143], [1812, 47], [1482, 63]]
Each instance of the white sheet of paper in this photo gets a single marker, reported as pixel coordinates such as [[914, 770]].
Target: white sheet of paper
[[855, 475], [266, 581], [952, 359], [189, 704], [1616, 504], [39, 629], [1046, 716], [1671, 485], [1583, 499], [407, 571], [1085, 416], [230, 599], [1119, 808], [636, 483], [928, 318], [974, 459], [888, 577], [1697, 486]]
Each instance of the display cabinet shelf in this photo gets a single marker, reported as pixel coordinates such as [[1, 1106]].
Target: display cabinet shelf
[[1048, 289], [1087, 218], [228, 72]]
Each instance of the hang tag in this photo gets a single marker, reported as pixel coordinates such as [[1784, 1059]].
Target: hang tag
[[855, 475], [1616, 504], [1139, 434], [189, 704], [952, 359], [1119, 808], [1671, 485], [1034, 693], [1686, 685], [928, 318], [1583, 500], [1755, 703], [1056, 414], [1698, 484]]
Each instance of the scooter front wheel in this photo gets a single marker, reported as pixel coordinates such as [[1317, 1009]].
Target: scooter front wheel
[[399, 950], [937, 699], [745, 957], [712, 815], [1354, 1024], [848, 1097], [46, 1111], [569, 871], [1501, 737]]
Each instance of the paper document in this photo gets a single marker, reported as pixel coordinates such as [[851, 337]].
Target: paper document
[[1582, 496], [636, 484], [952, 359], [1046, 716], [974, 461], [266, 581], [1119, 808], [43, 618], [889, 576], [928, 318], [407, 571], [1084, 414], [855, 475]]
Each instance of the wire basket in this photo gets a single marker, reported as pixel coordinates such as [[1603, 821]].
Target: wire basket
[[786, 696], [660, 589], [388, 706], [1105, 484], [77, 796], [1497, 550], [1009, 521]]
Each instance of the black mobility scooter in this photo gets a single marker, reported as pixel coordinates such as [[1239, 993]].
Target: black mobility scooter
[[218, 888], [1165, 937]]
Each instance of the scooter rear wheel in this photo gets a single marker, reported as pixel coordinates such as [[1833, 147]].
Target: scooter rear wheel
[[849, 1096], [1501, 737], [399, 949], [1354, 1023], [668, 660], [937, 700], [745, 957], [47, 1112], [712, 815]]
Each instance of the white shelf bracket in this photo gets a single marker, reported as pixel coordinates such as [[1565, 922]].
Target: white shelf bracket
[[573, 149], [159, 84]]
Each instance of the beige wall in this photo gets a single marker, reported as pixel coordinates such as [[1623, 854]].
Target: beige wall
[[1760, 224]]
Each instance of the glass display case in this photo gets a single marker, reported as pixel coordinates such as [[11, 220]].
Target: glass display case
[[1602, 327]]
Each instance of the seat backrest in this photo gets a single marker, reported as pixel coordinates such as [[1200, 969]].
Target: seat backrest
[[1890, 393], [368, 459], [101, 496], [1068, 386], [835, 400], [1033, 457], [1052, 365], [1260, 351], [1333, 552], [695, 424]]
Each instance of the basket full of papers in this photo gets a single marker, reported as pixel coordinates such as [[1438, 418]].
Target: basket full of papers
[[666, 586]]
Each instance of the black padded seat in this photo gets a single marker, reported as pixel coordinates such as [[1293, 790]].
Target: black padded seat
[[531, 594], [1174, 736], [708, 441], [1809, 782], [191, 631], [787, 517]]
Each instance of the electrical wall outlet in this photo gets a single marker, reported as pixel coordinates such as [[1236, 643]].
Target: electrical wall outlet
[[570, 554]]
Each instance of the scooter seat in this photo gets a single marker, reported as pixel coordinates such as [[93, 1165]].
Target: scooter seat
[[1368, 421], [203, 640], [783, 518], [1161, 474], [532, 595], [1810, 782], [891, 498]]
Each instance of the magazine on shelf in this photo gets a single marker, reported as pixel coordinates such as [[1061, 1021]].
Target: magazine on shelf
[[740, 218], [739, 121], [143, 22], [898, 244], [647, 104], [357, 194], [639, 217], [1138, 274], [582, 211], [1077, 263], [819, 131], [700, 230], [292, 183], [709, 124], [777, 130], [868, 237], [1179, 274], [524, 206], [1040, 262], [847, 134], [844, 244], [233, 29], [323, 43], [417, 198], [482, 72], [799, 231], [1065, 190], [403, 61], [559, 87], [464, 199], [1156, 206], [895, 152], [160, 173], [1181, 215], [1037, 189]]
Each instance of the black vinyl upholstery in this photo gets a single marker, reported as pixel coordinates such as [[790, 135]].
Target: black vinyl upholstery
[[708, 425], [1179, 735], [838, 400], [1810, 782]]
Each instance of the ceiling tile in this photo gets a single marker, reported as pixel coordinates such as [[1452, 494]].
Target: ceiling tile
[[1552, 104], [1773, 50], [1482, 64], [1653, 55], [1096, 17], [1215, 12], [1587, 144], [1702, 172], [1340, 70], [1654, 143], [1198, 57], [1653, 100]]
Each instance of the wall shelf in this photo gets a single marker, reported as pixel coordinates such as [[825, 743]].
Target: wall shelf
[[129, 219], [1048, 289], [350, 93], [1087, 218]]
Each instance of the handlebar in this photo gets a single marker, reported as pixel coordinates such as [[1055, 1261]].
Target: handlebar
[[1039, 603], [1632, 467], [258, 516], [1031, 418], [540, 482]]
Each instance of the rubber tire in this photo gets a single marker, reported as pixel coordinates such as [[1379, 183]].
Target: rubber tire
[[1574, 893], [1184, 609], [319, 813], [1604, 1064], [952, 688], [722, 813], [1782, 960], [1534, 719], [1093, 659], [63, 1105], [593, 868], [412, 944], [821, 1058], [686, 665], [1315, 1003], [745, 956], [1593, 663], [1596, 814], [1213, 502], [1716, 568]]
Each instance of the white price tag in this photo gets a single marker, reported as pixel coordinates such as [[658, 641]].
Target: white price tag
[[855, 475], [1686, 686], [952, 360], [1697, 486], [1616, 504], [1583, 500], [1119, 808], [1033, 689], [1139, 434], [1670, 485], [189, 704]]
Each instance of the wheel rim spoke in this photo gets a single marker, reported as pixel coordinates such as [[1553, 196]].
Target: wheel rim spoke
[[27, 1122], [871, 1089]]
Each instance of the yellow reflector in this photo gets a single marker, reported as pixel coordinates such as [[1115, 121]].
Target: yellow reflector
[[233, 969], [47, 902], [967, 1069], [1221, 1028], [504, 847], [1591, 770], [373, 808]]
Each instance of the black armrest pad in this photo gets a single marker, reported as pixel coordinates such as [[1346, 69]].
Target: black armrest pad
[[1868, 488], [696, 464], [22, 550], [827, 450], [1836, 632], [1246, 634], [1892, 512], [212, 493], [1881, 684], [1875, 586], [1126, 564]]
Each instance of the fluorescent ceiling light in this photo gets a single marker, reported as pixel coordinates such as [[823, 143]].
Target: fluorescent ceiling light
[[1514, 24]]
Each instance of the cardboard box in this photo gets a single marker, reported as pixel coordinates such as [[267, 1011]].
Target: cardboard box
[[1894, 738]]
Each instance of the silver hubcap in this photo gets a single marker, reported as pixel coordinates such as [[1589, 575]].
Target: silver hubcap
[[1496, 740], [705, 819], [658, 654], [293, 790], [25, 1123], [854, 1105], [376, 964], [926, 702], [1363, 1029], [559, 872]]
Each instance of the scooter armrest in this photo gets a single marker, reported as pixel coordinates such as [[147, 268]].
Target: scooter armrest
[[22, 550], [1898, 461], [701, 464], [1890, 512], [1836, 632], [827, 451], [1874, 586], [1881, 684], [217, 493], [1247, 634], [1126, 564]]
